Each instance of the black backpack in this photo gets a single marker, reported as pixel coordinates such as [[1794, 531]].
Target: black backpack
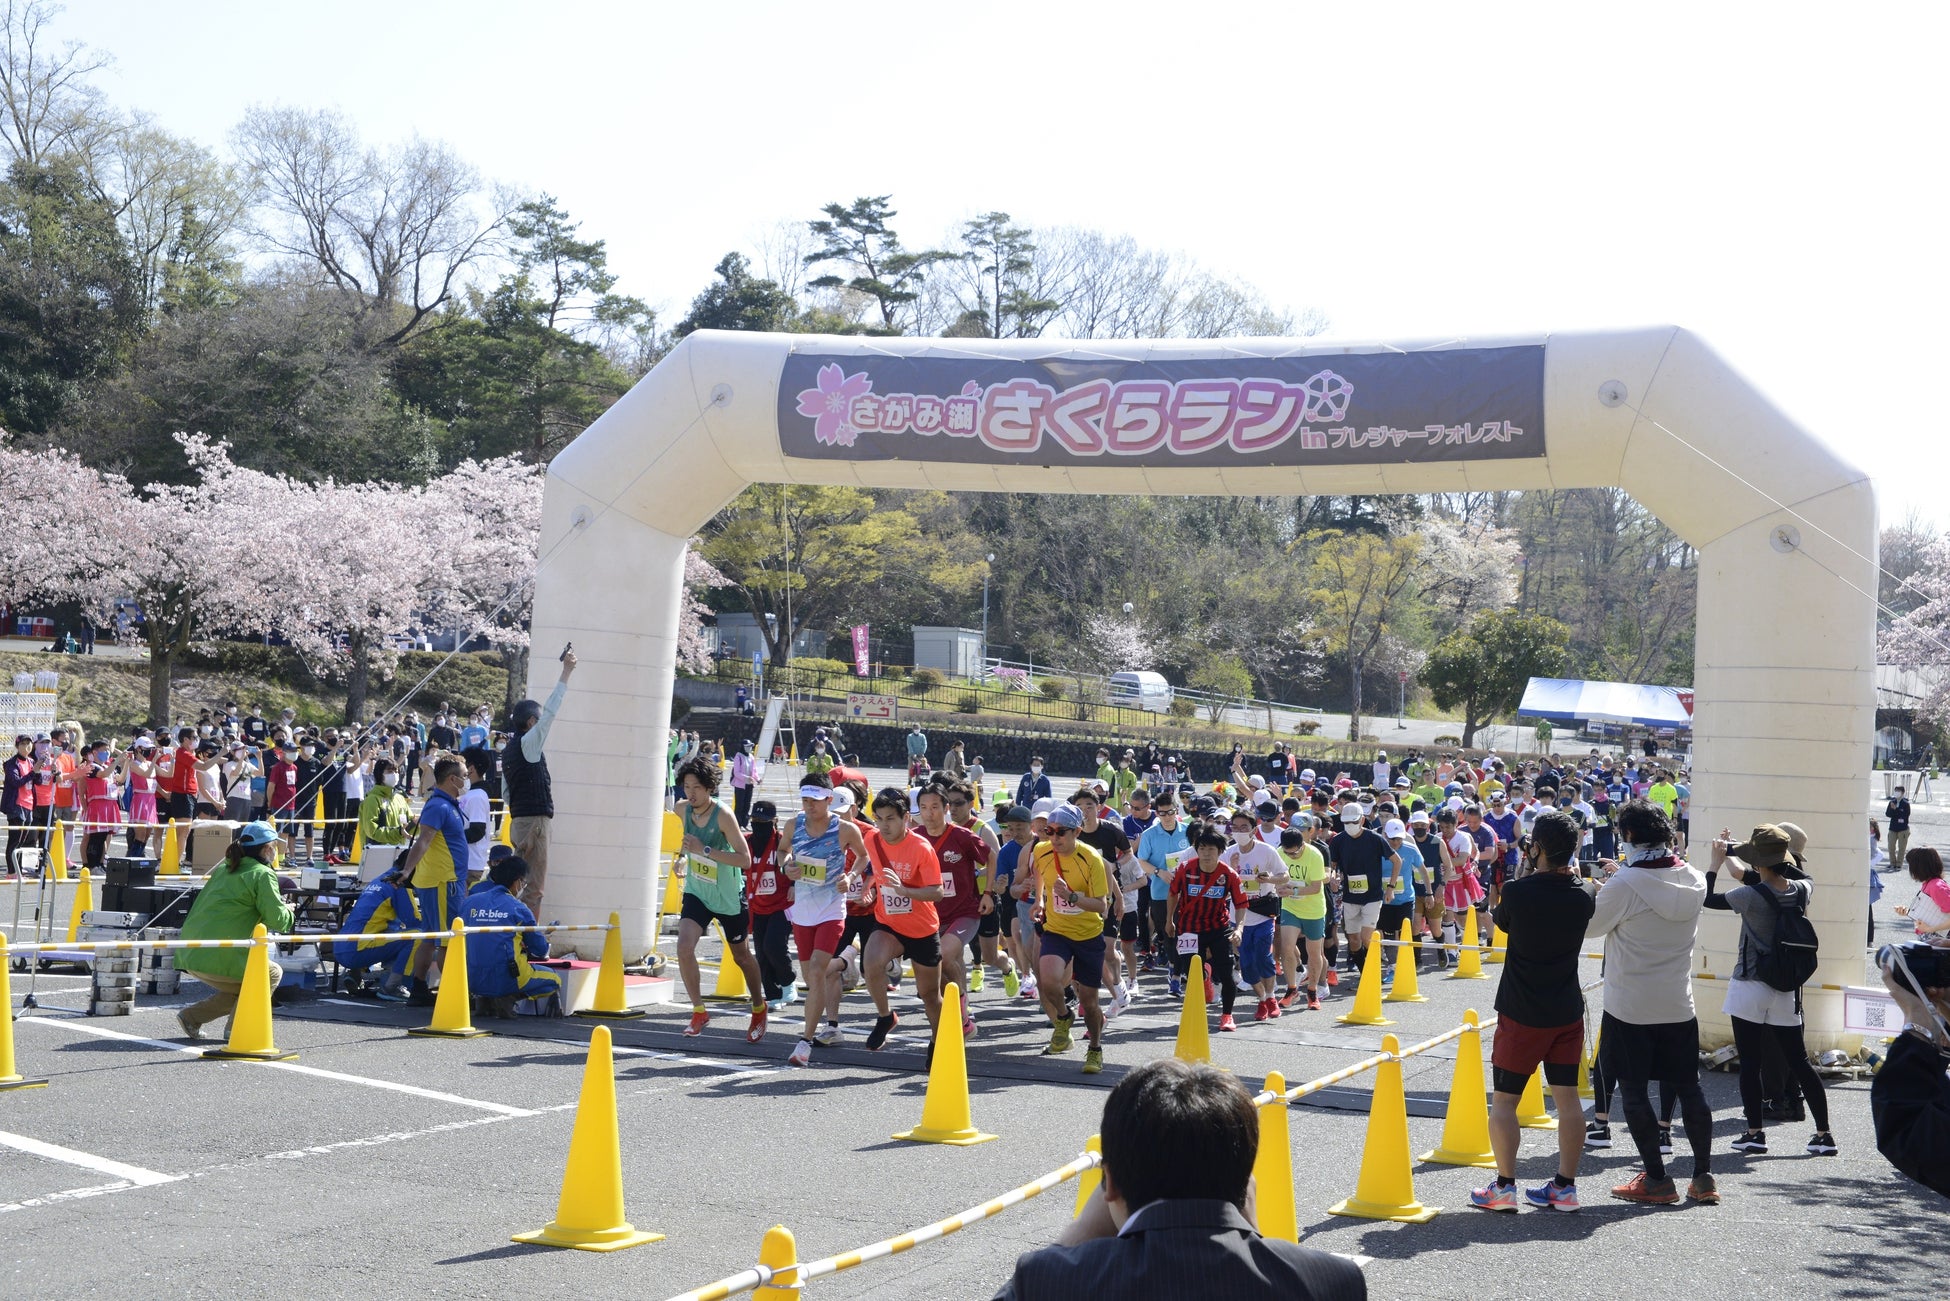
[[1790, 962]]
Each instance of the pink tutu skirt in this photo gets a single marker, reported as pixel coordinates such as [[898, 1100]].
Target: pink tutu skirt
[[1462, 892]]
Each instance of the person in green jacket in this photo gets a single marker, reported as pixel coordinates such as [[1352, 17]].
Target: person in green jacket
[[241, 892], [385, 821]]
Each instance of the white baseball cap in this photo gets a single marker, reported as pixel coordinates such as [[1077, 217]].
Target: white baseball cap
[[1350, 813], [1394, 828], [1041, 808], [1420, 815], [1256, 781]]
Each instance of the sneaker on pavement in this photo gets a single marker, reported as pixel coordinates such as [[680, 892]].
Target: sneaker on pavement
[[1120, 1001], [1177, 987], [1260, 1012], [1754, 1141], [756, 1030], [967, 1026], [801, 1054], [777, 1004], [1226, 1023], [1333, 977], [1313, 1001], [1703, 1190], [975, 979], [1211, 994], [1029, 990], [1292, 997], [827, 1035], [1822, 1144], [1551, 1196], [1498, 1196], [882, 1027], [1651, 1192], [1093, 1060], [386, 993], [699, 1019], [1665, 1140], [1273, 1008], [1597, 1134], [1011, 983], [1059, 1040], [190, 1029]]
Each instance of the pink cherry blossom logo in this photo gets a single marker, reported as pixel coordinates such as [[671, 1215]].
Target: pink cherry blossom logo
[[831, 404]]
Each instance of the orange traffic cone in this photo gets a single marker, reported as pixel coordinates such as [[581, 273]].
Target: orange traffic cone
[[1386, 1187], [945, 1114], [1466, 1127], [1367, 999], [589, 1213]]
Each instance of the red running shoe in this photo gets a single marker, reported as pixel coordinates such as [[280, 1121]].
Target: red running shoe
[[1226, 1023], [1261, 1012], [699, 1019], [756, 1030]]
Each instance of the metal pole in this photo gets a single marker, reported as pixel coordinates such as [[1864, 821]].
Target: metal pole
[[984, 675]]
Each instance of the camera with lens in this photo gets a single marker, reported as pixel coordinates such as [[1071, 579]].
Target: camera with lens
[[1927, 966]]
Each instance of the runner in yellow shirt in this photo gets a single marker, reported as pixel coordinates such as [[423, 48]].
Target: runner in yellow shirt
[[1073, 896]]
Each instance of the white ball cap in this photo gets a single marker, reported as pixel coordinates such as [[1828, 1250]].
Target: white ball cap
[[1350, 813], [1041, 808], [1393, 829], [1256, 782], [1419, 816]]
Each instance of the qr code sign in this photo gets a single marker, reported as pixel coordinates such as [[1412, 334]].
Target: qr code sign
[[1871, 1011]]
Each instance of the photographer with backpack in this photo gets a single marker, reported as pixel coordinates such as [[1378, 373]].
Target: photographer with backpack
[[1778, 953]]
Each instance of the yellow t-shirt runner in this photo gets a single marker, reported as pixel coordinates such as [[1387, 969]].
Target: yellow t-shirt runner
[[1084, 873], [1305, 866]]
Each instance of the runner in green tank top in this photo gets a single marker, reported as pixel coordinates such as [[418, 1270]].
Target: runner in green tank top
[[714, 859]]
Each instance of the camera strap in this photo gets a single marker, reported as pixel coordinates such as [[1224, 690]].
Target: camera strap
[[1942, 1033]]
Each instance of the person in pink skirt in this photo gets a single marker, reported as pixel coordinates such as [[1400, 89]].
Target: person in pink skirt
[[101, 807], [139, 773]]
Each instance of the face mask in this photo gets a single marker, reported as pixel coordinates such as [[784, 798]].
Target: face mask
[[1642, 853], [1243, 838], [1035, 770], [389, 780], [310, 751]]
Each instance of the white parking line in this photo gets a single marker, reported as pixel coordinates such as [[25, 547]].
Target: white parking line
[[437, 1096], [131, 1174]]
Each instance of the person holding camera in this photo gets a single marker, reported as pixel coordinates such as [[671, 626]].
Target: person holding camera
[[1772, 902], [1910, 1099], [530, 798]]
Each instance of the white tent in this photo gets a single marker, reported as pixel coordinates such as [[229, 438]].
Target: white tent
[[1577, 700]]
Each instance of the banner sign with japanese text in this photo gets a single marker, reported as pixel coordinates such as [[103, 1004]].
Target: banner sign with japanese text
[[860, 649], [1374, 408]]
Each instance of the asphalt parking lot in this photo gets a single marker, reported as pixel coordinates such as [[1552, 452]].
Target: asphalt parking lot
[[382, 1164]]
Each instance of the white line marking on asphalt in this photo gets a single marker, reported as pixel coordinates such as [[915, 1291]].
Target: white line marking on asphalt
[[101, 1165], [73, 1194], [413, 1089]]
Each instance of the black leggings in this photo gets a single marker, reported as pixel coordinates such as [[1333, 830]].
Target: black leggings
[[1215, 947], [771, 936], [1771, 1055], [94, 849], [1603, 1085], [1693, 1111]]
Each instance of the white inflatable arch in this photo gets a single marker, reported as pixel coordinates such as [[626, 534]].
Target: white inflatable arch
[[1785, 528]]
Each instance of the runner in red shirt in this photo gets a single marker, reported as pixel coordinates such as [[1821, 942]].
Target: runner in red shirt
[[1206, 896], [964, 861], [908, 877], [768, 894], [176, 778]]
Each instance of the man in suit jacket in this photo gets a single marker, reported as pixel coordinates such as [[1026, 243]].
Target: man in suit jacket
[[1173, 1216]]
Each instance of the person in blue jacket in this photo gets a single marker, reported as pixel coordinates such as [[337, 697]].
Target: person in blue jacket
[[499, 968], [384, 907]]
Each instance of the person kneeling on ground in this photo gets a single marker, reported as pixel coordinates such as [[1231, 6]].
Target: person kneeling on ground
[[500, 966], [1173, 1216], [241, 892], [384, 907]]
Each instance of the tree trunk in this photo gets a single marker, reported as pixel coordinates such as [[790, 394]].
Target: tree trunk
[[515, 658], [1470, 724], [357, 678], [162, 659], [1354, 700]]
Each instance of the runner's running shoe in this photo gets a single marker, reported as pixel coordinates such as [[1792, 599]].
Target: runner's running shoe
[[1754, 1142], [1059, 1040], [1226, 1023], [756, 1030], [882, 1027], [827, 1035], [1177, 987], [1211, 994], [1011, 983], [801, 1054], [1260, 1012], [1333, 977], [967, 1026], [1093, 1060], [1313, 1000], [1553, 1197], [975, 979], [699, 1019], [1665, 1140], [1029, 990], [1703, 1190], [1293, 997], [1498, 1196], [1822, 1144], [1597, 1134], [1651, 1192]]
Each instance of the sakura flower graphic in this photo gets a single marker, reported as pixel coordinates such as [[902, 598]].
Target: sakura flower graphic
[[831, 404]]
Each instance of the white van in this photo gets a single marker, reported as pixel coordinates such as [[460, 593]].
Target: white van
[[1141, 689]]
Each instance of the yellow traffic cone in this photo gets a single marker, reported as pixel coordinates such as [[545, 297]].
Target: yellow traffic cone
[[1367, 999], [731, 978], [1407, 984], [171, 862], [1588, 1062], [945, 1115], [1194, 1036], [57, 852], [1466, 1127], [589, 1213], [9, 1077], [358, 844], [1499, 941], [1385, 1189], [1530, 1106], [507, 835], [84, 901], [1469, 963], [1087, 1181], [1273, 1166], [318, 812], [250, 1024], [780, 1254], [453, 1006], [609, 1004]]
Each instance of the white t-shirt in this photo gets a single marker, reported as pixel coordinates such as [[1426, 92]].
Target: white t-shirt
[[474, 808], [1257, 859], [1590, 819], [1462, 849], [354, 782]]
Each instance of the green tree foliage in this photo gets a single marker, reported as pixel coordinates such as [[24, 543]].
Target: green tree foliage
[[739, 301], [862, 242], [1363, 589], [1002, 257], [1226, 678], [1483, 669]]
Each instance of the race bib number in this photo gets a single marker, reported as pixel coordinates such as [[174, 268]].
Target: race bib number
[[1062, 906], [857, 892], [947, 887], [1187, 944], [897, 905], [1357, 885], [811, 869], [704, 869], [768, 883], [1175, 857]]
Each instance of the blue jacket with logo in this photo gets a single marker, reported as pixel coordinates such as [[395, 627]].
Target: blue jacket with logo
[[492, 960]]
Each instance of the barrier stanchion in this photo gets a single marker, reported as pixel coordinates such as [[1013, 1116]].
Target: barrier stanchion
[[1499, 941], [1407, 988], [1194, 1035], [1530, 1104], [609, 1004], [945, 1114], [250, 1023], [1466, 1125], [84, 902], [731, 986], [1273, 1166], [779, 1255], [453, 1007], [10, 1078], [1386, 1187], [1367, 999], [589, 1212], [1087, 1181], [1469, 959]]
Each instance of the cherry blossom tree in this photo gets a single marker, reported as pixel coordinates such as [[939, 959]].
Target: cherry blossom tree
[[67, 537], [1919, 638], [1120, 644], [693, 652], [1467, 569]]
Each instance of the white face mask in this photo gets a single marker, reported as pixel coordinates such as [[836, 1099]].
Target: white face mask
[[1242, 838], [389, 780], [1035, 770]]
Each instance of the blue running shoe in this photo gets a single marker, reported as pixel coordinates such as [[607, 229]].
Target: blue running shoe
[[1497, 1197], [1551, 1197]]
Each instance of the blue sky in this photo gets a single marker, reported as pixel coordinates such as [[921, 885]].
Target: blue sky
[[1765, 175]]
